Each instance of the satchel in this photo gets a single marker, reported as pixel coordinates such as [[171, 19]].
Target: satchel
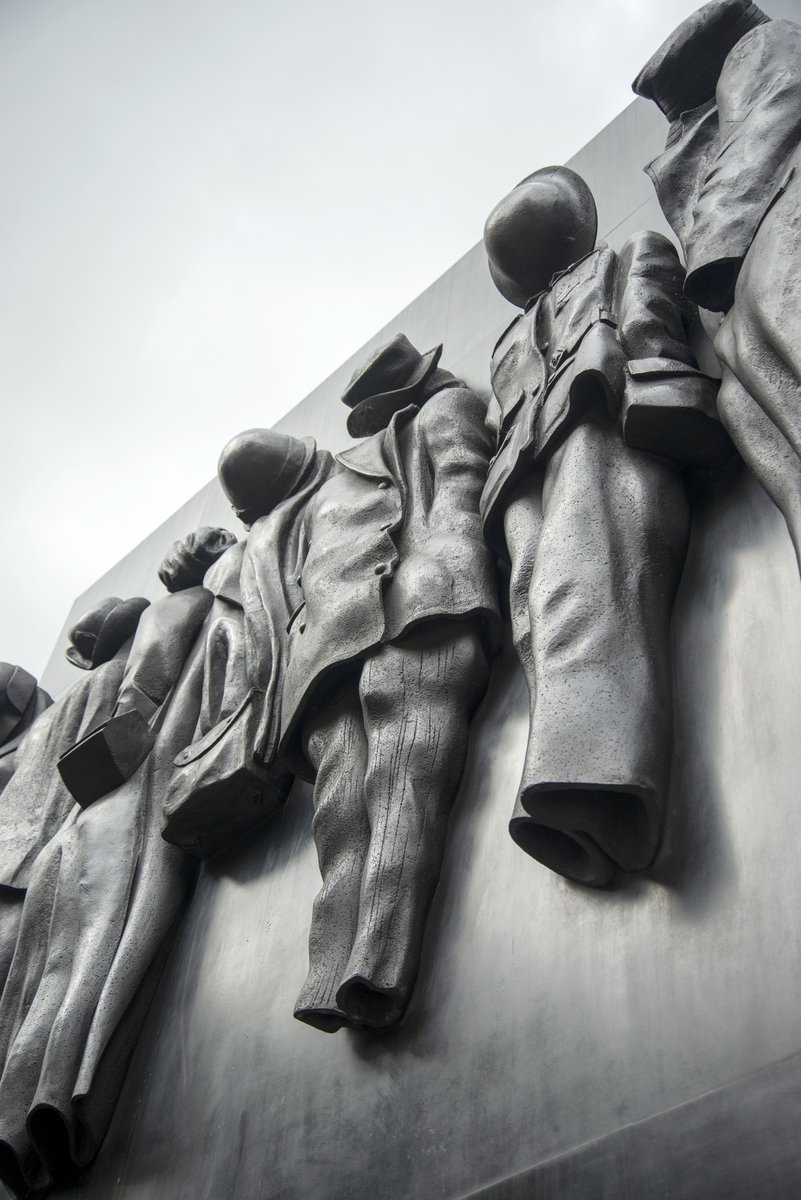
[[220, 791], [107, 757]]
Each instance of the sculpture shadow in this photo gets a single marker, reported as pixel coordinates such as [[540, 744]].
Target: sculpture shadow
[[255, 854], [731, 519]]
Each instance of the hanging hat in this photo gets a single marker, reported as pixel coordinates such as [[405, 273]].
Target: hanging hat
[[394, 376], [98, 635], [261, 467], [545, 225], [17, 686], [17, 690], [684, 72], [188, 560]]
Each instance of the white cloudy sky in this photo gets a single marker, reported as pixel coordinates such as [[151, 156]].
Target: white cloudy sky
[[208, 204]]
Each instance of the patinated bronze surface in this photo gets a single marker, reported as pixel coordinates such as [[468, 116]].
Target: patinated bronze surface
[[388, 657], [347, 641], [229, 779], [599, 404], [156, 741], [729, 185]]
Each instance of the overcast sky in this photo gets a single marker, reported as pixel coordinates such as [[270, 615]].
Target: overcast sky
[[208, 204]]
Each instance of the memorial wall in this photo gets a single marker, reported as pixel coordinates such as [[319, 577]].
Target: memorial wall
[[552, 798]]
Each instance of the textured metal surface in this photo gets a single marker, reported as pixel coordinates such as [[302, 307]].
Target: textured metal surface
[[545, 1015]]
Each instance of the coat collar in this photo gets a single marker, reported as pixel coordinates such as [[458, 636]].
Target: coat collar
[[376, 456]]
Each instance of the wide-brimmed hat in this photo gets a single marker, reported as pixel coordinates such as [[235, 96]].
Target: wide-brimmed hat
[[98, 635], [261, 467], [684, 72], [394, 376], [545, 225]]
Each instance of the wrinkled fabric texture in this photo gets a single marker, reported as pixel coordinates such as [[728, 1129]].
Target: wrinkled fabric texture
[[759, 112], [36, 802], [387, 661], [729, 184], [104, 897], [574, 344], [389, 750], [759, 347], [596, 647], [166, 633], [725, 162], [270, 592], [393, 540], [596, 534]]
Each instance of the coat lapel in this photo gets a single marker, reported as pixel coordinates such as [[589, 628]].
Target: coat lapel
[[377, 457]]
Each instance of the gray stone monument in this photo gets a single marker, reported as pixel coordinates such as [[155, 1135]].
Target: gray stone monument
[[541, 579]]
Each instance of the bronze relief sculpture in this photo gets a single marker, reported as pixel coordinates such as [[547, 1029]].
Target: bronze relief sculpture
[[728, 80], [172, 739], [599, 403], [35, 802], [21, 702], [347, 639], [230, 778], [388, 659], [102, 897]]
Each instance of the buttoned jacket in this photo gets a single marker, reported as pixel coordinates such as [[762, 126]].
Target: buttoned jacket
[[545, 366], [726, 162], [393, 541]]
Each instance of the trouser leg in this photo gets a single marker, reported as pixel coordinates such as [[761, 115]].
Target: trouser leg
[[335, 745], [417, 698], [609, 560], [522, 525]]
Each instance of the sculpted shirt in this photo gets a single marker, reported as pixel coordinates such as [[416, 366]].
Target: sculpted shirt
[[394, 541]]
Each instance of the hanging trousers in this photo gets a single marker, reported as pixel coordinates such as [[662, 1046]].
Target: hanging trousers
[[389, 748]]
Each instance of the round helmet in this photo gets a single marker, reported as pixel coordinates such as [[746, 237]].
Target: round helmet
[[545, 224], [261, 467]]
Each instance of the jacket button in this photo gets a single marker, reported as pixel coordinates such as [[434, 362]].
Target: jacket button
[[383, 485], [381, 568], [302, 627]]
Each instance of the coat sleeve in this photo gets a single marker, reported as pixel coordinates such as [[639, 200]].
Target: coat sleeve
[[448, 569], [651, 307], [759, 107], [459, 447]]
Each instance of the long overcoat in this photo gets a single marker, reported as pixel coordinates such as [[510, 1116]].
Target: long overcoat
[[393, 540], [727, 161], [729, 182]]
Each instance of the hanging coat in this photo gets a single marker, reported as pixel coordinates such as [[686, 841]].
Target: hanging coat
[[393, 540], [104, 898]]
